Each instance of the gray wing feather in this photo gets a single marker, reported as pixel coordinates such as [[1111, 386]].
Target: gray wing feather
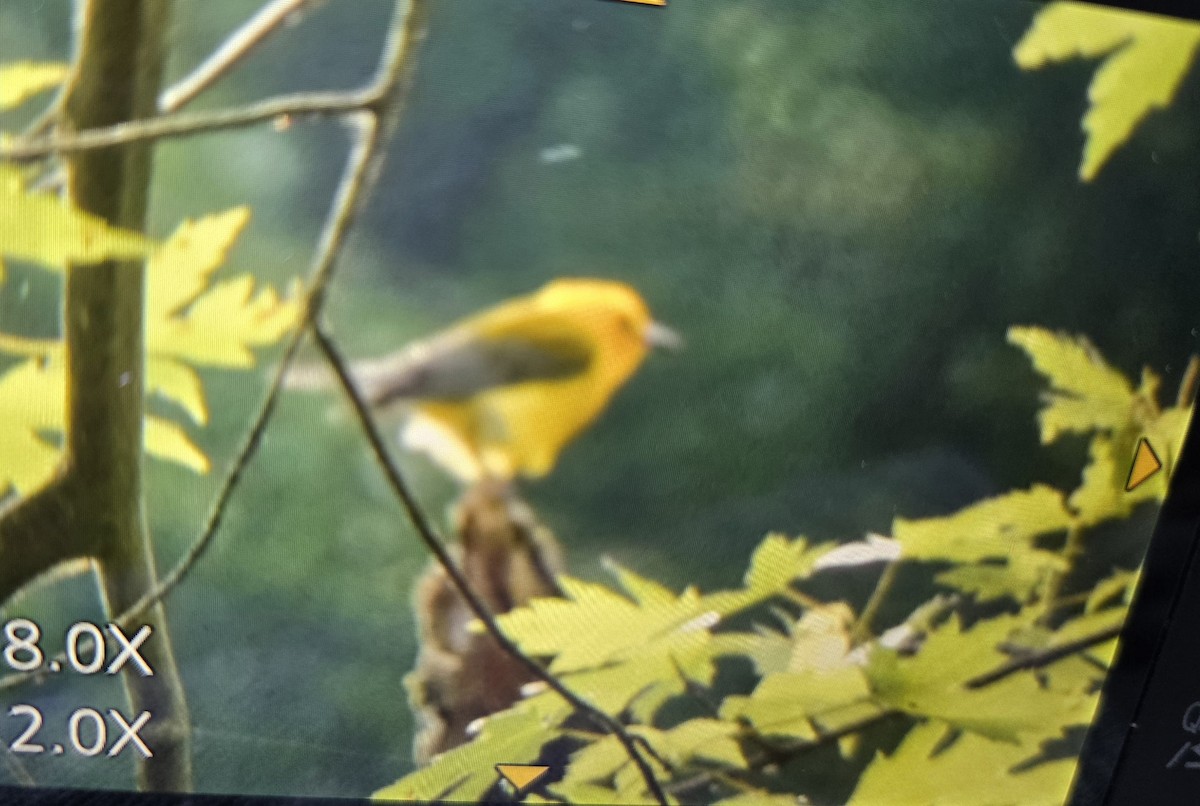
[[458, 365]]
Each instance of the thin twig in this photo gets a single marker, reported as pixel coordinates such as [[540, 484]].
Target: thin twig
[[862, 627], [229, 53], [778, 754], [226, 57], [1071, 551], [1043, 658], [186, 124], [429, 537]]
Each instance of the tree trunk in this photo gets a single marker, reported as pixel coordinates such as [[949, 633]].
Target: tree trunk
[[118, 76]]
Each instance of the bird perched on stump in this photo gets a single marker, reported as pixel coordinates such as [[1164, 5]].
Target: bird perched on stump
[[501, 393]]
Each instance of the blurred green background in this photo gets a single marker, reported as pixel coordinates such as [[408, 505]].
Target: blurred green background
[[841, 204]]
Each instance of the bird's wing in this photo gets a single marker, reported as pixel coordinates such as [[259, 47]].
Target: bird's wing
[[461, 363]]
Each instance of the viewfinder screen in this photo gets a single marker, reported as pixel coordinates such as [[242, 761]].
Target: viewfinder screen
[[752, 402]]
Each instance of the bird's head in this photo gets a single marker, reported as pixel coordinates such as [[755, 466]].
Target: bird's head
[[617, 304]]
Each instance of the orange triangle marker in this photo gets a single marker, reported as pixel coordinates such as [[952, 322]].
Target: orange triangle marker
[[521, 776], [646, 2], [1145, 464]]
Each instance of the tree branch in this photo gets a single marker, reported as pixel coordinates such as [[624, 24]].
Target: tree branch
[[36, 534], [117, 77], [230, 53], [1045, 657], [186, 124], [429, 537], [862, 627]]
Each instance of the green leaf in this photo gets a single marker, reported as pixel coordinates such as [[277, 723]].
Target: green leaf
[[33, 409], [973, 771], [704, 740], [592, 624], [605, 761], [637, 651], [796, 704], [1084, 671], [32, 406], [613, 650], [821, 639], [778, 561], [1086, 394], [1019, 576], [179, 383], [769, 651], [991, 542], [931, 683], [1101, 495], [465, 773], [189, 320], [989, 529], [44, 229], [166, 440], [1145, 58], [20, 81]]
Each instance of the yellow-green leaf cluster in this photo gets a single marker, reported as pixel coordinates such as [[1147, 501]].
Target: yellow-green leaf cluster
[[971, 771], [989, 702], [1088, 396], [637, 650], [622, 651], [931, 683], [991, 543], [466, 773], [804, 705], [192, 320], [1144, 59], [605, 764], [1085, 395]]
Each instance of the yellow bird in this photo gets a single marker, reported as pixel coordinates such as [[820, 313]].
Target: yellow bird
[[501, 393]]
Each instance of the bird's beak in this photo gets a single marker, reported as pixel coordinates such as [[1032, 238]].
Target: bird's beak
[[659, 336]]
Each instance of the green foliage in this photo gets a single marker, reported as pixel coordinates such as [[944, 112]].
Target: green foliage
[[993, 544], [979, 729], [972, 769], [39, 228], [1143, 61], [23, 80], [1017, 709], [191, 321]]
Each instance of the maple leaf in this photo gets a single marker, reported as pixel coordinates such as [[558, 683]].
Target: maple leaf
[[191, 321], [1145, 58], [1086, 394], [932, 683], [972, 771]]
